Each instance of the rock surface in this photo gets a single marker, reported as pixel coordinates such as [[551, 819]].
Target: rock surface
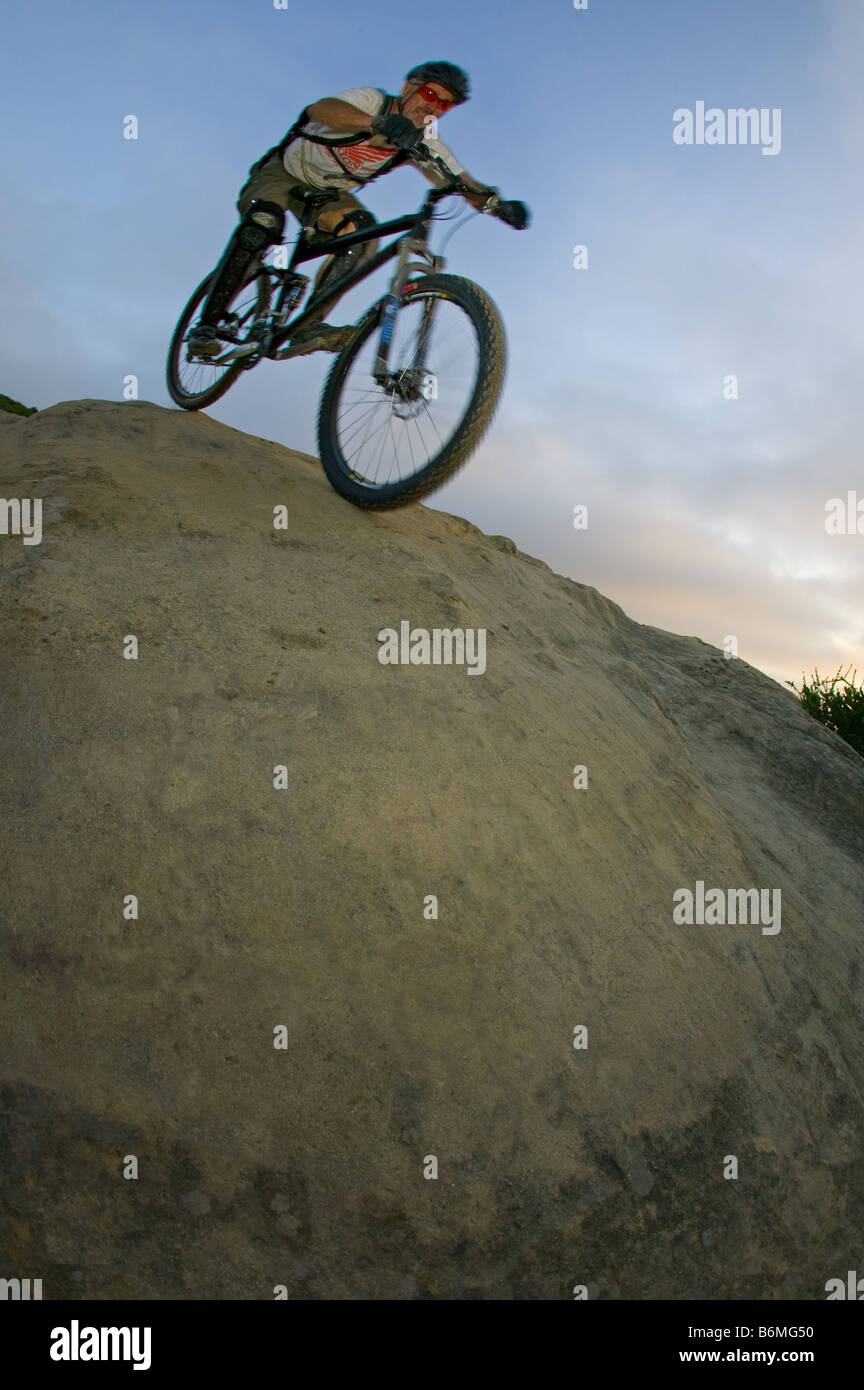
[[407, 1037]]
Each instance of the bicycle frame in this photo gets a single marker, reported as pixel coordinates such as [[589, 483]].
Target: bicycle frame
[[416, 224]]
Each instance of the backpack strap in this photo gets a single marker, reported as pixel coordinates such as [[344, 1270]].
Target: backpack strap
[[398, 158], [297, 132]]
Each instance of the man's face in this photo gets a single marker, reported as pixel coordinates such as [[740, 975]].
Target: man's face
[[417, 107]]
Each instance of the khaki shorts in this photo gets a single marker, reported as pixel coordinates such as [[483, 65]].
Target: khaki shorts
[[273, 183]]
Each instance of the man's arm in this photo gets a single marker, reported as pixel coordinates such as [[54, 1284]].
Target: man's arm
[[477, 200], [339, 114], [437, 179], [514, 213]]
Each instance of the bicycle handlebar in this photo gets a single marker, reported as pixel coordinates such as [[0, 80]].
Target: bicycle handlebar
[[421, 154]]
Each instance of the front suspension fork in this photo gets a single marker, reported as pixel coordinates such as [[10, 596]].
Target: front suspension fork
[[405, 268]]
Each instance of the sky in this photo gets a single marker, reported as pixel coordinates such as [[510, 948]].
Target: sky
[[706, 503]]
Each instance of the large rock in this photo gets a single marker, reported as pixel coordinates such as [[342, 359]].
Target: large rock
[[407, 1036]]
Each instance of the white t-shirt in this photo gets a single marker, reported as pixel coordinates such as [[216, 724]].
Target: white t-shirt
[[315, 165]]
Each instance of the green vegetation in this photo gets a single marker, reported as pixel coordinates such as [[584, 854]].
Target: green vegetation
[[15, 407], [837, 702]]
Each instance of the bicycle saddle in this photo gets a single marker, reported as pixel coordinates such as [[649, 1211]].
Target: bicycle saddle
[[315, 200]]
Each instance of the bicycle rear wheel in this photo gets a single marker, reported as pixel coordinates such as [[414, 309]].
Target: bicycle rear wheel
[[387, 446], [195, 383]]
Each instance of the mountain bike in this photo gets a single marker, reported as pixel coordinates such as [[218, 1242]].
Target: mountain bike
[[410, 396]]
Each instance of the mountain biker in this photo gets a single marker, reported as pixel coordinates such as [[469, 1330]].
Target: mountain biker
[[303, 163]]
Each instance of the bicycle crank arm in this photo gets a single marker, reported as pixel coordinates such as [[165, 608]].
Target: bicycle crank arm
[[235, 354]]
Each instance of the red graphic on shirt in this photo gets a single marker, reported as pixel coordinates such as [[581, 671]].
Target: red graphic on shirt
[[359, 158]]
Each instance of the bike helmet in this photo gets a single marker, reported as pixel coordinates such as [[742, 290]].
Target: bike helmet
[[446, 75]]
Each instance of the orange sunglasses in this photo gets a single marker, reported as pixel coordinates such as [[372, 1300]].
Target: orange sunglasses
[[441, 104]]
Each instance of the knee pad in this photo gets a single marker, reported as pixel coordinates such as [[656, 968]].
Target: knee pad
[[356, 254], [360, 218], [262, 226]]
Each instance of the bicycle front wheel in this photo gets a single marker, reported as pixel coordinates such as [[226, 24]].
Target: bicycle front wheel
[[387, 445]]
